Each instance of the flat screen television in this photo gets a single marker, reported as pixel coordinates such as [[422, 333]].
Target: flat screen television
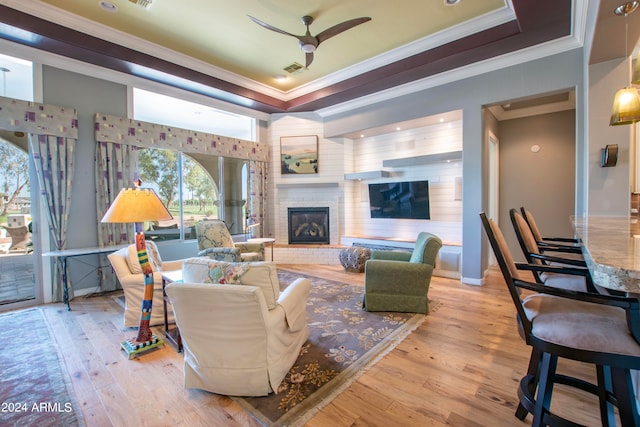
[[407, 199]]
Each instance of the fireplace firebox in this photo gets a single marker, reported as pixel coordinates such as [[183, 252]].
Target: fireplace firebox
[[308, 226]]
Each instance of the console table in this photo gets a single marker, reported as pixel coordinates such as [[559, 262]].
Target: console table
[[69, 253]]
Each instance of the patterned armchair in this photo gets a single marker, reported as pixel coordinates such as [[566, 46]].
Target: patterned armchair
[[214, 241]]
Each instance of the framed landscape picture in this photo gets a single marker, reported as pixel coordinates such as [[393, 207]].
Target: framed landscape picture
[[299, 154]]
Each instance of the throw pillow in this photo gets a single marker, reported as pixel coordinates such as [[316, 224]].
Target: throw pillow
[[226, 273], [215, 274], [152, 254]]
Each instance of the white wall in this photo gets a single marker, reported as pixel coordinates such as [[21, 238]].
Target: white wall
[[609, 188], [305, 190]]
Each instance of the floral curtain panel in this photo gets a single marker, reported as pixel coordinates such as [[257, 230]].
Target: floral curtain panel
[[119, 130], [53, 132], [143, 134], [53, 157], [115, 168], [38, 119]]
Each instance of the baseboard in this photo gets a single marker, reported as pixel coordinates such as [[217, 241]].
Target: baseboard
[[472, 281]]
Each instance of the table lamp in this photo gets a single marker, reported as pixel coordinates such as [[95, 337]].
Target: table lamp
[[138, 205]]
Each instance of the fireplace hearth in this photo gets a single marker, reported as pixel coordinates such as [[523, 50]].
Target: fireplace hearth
[[309, 226]]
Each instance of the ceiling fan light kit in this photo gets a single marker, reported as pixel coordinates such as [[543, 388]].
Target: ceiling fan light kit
[[308, 43]]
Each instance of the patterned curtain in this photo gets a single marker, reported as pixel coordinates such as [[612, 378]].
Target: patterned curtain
[[115, 168], [53, 157], [258, 192]]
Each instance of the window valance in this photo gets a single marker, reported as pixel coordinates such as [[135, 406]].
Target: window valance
[[40, 119], [143, 134]]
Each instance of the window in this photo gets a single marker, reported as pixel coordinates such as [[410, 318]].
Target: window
[[193, 186], [16, 78]]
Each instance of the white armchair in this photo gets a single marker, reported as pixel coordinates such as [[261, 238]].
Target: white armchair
[[127, 268], [239, 339]]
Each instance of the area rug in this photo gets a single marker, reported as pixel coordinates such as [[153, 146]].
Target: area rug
[[36, 389], [344, 341]]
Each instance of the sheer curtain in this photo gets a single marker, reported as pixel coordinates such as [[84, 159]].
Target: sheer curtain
[[53, 157]]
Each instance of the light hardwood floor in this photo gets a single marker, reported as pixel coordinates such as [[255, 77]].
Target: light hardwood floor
[[460, 368]]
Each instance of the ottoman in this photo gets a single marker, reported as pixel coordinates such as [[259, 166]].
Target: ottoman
[[353, 258]]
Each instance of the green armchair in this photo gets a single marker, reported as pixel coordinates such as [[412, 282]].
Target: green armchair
[[399, 281]]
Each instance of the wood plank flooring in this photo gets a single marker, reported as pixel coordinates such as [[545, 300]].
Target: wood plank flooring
[[460, 368]]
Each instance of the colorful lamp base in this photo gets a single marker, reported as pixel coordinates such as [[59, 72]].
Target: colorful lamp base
[[134, 348]]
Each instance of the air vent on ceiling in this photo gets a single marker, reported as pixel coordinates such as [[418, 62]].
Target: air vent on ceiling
[[143, 3], [294, 68]]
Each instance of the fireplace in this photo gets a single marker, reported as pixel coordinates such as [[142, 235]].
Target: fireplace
[[308, 226]]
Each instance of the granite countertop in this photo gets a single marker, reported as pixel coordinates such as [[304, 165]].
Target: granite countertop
[[611, 247]]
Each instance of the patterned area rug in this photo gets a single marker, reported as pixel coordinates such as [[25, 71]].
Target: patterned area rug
[[344, 341], [36, 390]]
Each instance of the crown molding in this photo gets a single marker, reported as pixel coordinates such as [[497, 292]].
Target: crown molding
[[510, 59]]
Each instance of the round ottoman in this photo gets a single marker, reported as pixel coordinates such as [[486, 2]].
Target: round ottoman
[[353, 258]]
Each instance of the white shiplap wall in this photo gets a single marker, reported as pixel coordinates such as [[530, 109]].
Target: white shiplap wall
[[348, 200], [446, 208], [312, 190]]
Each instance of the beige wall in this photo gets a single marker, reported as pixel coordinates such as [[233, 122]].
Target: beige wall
[[543, 181]]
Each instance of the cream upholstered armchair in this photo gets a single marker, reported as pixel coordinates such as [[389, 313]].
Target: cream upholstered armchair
[[242, 337], [215, 242], [127, 268]]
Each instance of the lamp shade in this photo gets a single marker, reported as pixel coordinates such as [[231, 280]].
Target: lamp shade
[[626, 107], [137, 205]]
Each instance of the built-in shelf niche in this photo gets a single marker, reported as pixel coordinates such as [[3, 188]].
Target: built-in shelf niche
[[367, 175], [449, 156], [307, 185]]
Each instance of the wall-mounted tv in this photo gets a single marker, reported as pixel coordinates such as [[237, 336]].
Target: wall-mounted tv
[[408, 199]]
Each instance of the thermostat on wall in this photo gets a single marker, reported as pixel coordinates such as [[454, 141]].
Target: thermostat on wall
[[609, 155]]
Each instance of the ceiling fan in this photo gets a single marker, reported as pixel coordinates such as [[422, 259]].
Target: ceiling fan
[[309, 43]]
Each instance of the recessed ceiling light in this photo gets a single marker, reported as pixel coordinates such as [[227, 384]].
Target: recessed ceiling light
[[108, 6], [280, 78], [451, 2]]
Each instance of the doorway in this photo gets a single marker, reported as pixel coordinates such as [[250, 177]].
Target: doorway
[[18, 284], [494, 184]]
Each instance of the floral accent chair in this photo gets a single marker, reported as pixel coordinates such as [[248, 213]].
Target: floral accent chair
[[215, 242]]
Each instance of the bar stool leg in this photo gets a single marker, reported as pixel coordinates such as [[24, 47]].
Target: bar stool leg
[[625, 396], [607, 408], [548, 366]]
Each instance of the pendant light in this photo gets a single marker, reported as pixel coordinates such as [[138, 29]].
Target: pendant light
[[626, 104]]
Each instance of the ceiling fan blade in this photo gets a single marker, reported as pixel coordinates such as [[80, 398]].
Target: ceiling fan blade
[[309, 58], [271, 27], [339, 28]]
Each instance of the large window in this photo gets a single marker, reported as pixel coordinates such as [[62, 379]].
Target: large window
[[193, 186]]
